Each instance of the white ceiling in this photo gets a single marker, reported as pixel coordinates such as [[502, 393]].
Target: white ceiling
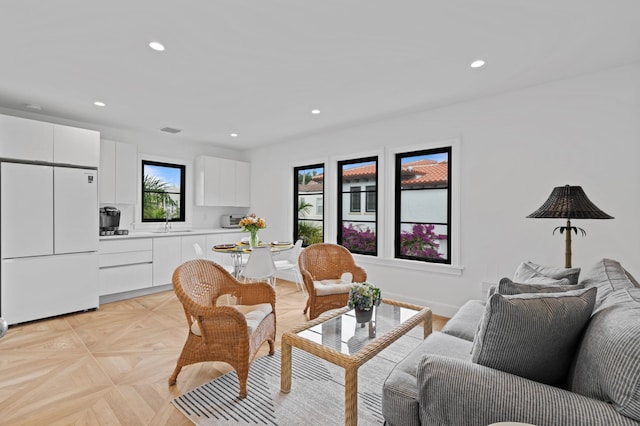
[[258, 67]]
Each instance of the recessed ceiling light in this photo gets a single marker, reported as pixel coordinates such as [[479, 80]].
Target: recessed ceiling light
[[477, 63], [234, 135], [156, 46], [98, 103], [315, 111]]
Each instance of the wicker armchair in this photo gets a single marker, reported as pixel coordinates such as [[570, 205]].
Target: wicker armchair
[[326, 261], [223, 333]]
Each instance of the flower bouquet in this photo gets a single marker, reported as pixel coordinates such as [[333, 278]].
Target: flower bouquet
[[253, 224]]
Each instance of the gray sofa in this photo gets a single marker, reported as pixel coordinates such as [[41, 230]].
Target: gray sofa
[[505, 359]]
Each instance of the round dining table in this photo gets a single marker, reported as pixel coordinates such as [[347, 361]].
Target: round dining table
[[236, 250]]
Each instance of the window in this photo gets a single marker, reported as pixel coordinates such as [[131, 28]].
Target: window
[[423, 205], [355, 199], [308, 202], [358, 231], [162, 192], [371, 198]]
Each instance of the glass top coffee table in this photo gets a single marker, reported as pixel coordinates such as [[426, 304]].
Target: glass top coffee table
[[333, 337]]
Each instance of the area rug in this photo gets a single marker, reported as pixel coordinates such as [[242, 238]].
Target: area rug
[[316, 397]]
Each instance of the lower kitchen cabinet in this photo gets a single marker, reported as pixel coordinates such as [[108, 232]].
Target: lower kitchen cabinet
[[167, 256], [123, 278], [125, 265], [189, 249], [144, 264]]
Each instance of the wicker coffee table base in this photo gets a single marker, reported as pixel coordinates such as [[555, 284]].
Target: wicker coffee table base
[[350, 363]]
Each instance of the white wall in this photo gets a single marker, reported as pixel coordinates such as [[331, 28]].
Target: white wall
[[515, 148]]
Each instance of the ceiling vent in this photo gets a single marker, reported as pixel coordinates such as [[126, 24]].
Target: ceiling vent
[[170, 130]]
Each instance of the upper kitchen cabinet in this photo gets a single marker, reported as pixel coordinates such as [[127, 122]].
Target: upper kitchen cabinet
[[117, 172], [31, 140], [243, 184], [25, 139], [222, 182], [72, 145]]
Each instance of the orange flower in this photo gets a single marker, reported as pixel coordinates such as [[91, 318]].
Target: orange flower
[[252, 223]]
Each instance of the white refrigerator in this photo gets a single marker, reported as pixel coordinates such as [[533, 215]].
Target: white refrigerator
[[48, 240]]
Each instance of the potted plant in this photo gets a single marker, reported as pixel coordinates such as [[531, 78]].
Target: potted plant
[[363, 297]]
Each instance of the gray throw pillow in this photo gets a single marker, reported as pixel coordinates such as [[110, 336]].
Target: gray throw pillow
[[607, 276], [533, 335], [572, 274], [631, 278], [507, 287], [526, 274]]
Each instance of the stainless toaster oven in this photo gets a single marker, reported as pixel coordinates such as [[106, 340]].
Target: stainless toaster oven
[[231, 220]]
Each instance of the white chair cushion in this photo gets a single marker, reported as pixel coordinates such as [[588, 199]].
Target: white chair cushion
[[337, 286], [326, 287], [254, 314]]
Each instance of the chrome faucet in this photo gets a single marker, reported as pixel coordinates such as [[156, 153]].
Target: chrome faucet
[[167, 226]]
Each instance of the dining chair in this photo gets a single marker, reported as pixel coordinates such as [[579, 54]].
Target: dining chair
[[291, 264], [260, 266], [231, 334], [328, 271], [198, 250]]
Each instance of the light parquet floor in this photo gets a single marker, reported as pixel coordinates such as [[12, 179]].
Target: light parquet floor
[[110, 366]]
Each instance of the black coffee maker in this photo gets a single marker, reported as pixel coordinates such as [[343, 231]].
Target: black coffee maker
[[110, 221]]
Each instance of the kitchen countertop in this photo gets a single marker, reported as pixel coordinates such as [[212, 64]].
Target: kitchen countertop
[[170, 233]]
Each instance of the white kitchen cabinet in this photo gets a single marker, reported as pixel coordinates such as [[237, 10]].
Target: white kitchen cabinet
[[243, 184], [188, 251], [25, 139], [125, 265], [32, 140], [117, 173], [107, 172], [167, 256], [125, 278], [222, 182], [72, 145]]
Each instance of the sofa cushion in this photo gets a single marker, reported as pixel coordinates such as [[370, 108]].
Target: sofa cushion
[[607, 364], [507, 287], [526, 272], [607, 276], [464, 324], [572, 274], [400, 389], [533, 335]]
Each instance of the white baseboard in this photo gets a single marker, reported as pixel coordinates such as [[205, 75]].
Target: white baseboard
[[108, 298], [437, 308]]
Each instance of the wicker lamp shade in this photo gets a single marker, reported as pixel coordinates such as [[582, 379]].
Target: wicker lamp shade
[[569, 202]]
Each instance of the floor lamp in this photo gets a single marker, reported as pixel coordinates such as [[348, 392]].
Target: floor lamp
[[569, 202]]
